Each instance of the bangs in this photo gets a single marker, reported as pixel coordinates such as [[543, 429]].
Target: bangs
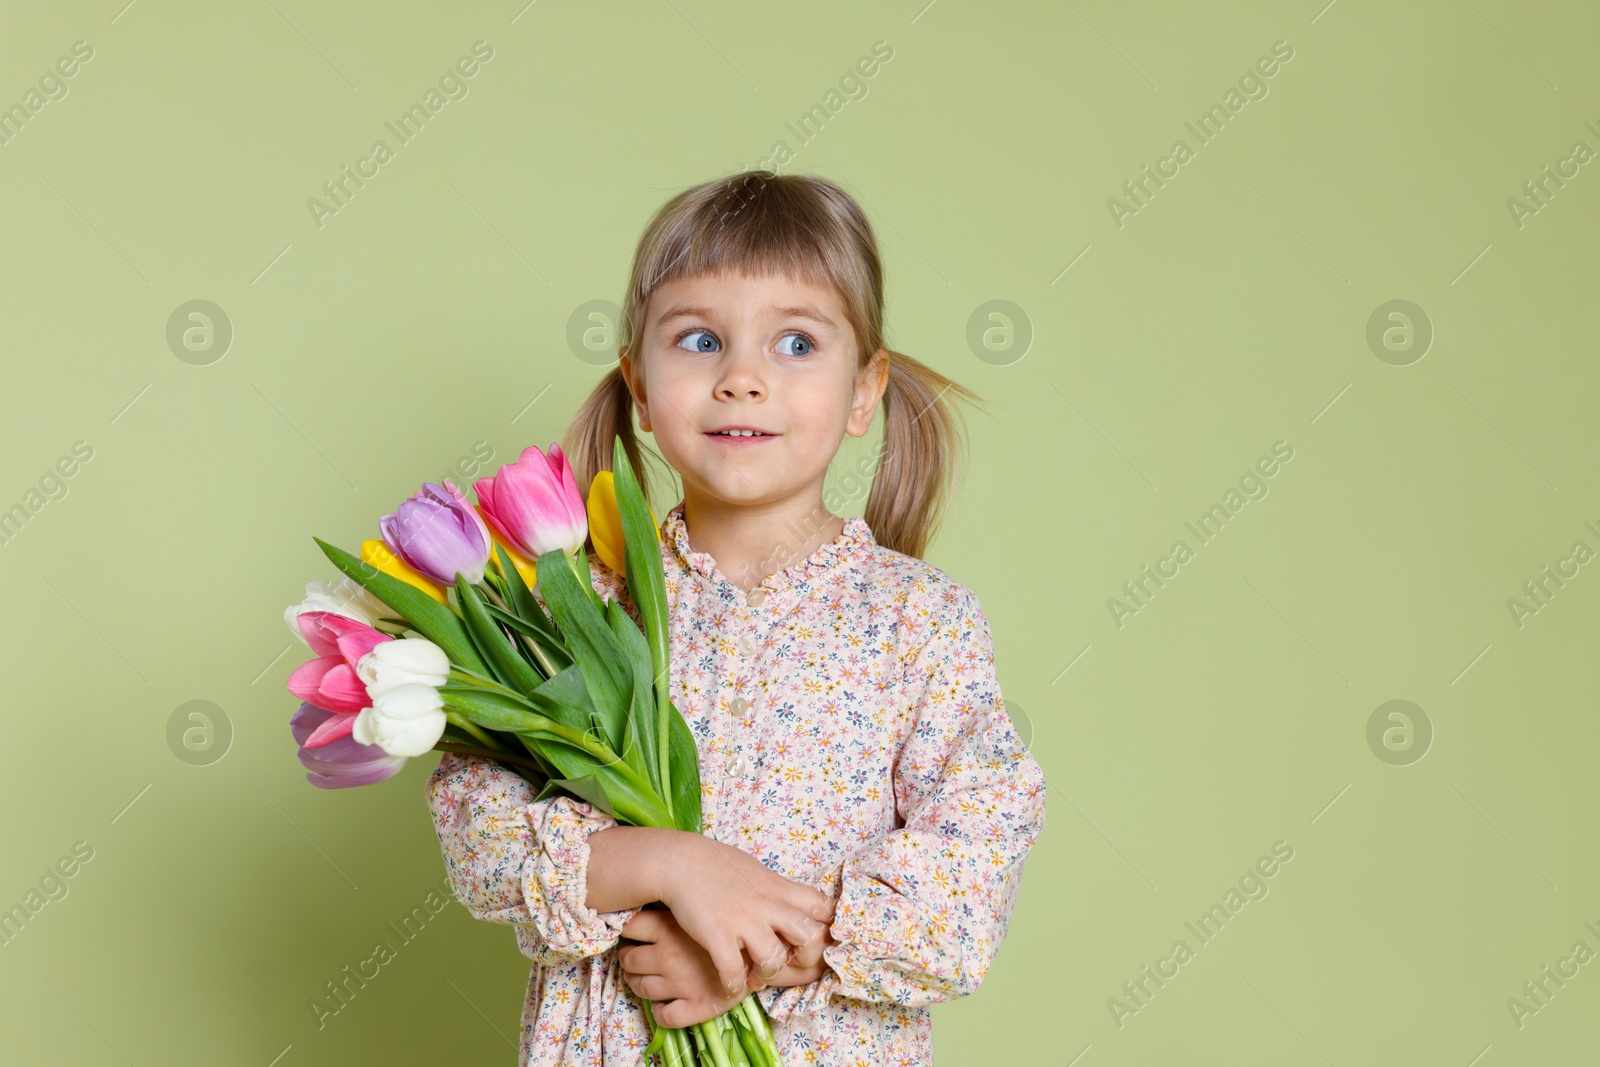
[[752, 233], [761, 226]]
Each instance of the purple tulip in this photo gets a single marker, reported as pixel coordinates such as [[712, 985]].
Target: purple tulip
[[438, 533], [343, 762]]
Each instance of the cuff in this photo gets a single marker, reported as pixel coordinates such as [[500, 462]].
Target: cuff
[[569, 929], [781, 1002], [887, 950]]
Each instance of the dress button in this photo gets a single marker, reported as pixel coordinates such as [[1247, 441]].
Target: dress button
[[747, 646], [737, 706], [755, 597], [736, 767]]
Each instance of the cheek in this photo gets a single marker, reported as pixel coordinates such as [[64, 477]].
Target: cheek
[[821, 408], [671, 396]]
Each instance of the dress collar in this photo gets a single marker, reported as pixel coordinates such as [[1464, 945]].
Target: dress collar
[[856, 537]]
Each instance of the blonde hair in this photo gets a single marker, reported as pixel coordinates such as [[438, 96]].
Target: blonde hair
[[761, 223]]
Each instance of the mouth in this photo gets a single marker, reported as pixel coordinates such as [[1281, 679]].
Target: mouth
[[741, 435]]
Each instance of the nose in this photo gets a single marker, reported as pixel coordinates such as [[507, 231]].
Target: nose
[[741, 375]]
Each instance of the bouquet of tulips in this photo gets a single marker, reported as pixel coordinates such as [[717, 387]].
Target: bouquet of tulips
[[574, 698]]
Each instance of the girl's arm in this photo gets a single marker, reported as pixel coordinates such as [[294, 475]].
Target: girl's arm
[[922, 911], [514, 860]]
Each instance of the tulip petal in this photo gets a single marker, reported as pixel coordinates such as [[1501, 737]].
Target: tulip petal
[[369, 774], [335, 728], [472, 521], [570, 493], [305, 720], [381, 556], [341, 690], [306, 679], [354, 644], [321, 638], [605, 523]]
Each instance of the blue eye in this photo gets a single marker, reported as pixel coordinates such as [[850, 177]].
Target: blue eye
[[707, 343], [806, 344]]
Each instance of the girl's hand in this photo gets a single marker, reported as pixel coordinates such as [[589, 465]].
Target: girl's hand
[[805, 961], [671, 969], [734, 906]]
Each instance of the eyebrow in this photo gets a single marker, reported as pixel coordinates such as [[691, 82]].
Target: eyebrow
[[797, 311]]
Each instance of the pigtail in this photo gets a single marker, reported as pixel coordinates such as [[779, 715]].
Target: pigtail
[[923, 444], [604, 416]]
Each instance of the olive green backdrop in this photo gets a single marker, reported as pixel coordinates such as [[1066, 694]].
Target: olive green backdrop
[[1336, 268]]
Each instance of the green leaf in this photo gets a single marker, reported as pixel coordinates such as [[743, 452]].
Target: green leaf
[[548, 643], [581, 556], [590, 643], [459, 675], [647, 588], [588, 789], [493, 710], [509, 666], [684, 755], [566, 699], [633, 800], [522, 600], [638, 744], [422, 613]]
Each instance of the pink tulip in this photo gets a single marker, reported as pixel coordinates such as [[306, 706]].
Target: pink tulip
[[343, 762], [330, 681], [535, 504]]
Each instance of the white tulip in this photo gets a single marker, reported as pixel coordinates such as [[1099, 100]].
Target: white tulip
[[404, 721], [396, 663], [348, 598]]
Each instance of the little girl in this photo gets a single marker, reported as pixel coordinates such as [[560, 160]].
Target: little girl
[[867, 803]]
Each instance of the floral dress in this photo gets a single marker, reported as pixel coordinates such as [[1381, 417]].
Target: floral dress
[[852, 736]]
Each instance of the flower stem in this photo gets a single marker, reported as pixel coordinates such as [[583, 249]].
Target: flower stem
[[471, 728], [533, 646], [710, 1037]]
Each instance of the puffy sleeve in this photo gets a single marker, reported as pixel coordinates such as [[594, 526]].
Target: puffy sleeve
[[515, 860], [923, 910]]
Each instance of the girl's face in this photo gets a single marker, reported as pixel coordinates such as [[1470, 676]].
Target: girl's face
[[768, 353]]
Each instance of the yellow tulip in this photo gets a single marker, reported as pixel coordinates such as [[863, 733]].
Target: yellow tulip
[[519, 559], [605, 523], [382, 557]]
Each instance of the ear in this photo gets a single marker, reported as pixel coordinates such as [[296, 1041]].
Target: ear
[[635, 380], [871, 382]]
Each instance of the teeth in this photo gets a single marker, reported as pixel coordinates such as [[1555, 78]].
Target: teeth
[[740, 433]]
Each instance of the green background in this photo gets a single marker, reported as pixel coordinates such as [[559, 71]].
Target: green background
[[1166, 356]]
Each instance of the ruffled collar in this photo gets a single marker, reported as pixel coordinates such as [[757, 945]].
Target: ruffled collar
[[856, 537]]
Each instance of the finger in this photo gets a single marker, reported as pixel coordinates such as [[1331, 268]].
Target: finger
[[768, 958], [811, 901], [808, 955], [671, 1013], [644, 926], [640, 959], [729, 962], [648, 986], [800, 928]]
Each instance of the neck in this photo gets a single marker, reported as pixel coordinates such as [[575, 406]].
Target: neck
[[750, 541]]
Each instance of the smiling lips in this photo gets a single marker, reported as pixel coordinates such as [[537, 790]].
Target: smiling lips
[[742, 435]]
